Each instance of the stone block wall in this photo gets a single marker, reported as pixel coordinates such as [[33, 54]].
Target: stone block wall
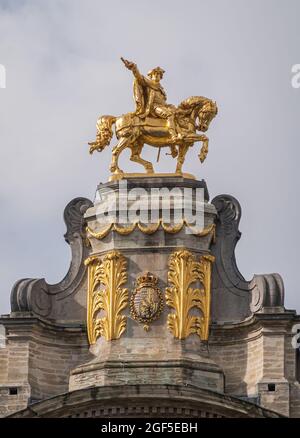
[[14, 387], [13, 397], [51, 358], [36, 362], [239, 353], [259, 361]]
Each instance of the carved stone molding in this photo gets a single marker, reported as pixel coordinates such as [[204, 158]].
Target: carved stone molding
[[227, 236], [151, 401], [267, 291], [238, 296], [36, 295], [31, 295], [184, 271], [105, 278]]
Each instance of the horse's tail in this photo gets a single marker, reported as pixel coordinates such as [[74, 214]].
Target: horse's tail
[[104, 133]]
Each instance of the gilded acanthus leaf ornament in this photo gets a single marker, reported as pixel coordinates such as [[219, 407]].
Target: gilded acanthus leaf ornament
[[205, 266], [105, 293], [156, 123], [93, 308], [184, 271]]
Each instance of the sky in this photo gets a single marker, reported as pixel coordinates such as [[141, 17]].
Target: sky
[[63, 70]]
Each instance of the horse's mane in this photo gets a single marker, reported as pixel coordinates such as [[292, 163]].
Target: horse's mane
[[191, 102]]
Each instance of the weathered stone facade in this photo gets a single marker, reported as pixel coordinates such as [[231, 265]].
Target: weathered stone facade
[[247, 367]]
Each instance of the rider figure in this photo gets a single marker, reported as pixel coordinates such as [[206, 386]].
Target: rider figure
[[151, 98]]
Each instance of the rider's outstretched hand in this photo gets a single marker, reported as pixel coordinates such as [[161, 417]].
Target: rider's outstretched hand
[[128, 64]]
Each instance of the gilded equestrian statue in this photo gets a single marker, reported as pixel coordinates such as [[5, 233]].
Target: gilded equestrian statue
[[156, 123]]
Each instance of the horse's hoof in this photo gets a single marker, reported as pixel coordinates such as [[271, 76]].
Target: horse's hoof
[[117, 171]]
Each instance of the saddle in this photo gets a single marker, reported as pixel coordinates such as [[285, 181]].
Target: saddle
[[131, 119]]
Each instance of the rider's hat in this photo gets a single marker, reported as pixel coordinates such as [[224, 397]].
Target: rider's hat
[[156, 70]]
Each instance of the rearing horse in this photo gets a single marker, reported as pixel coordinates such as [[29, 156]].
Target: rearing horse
[[192, 115]]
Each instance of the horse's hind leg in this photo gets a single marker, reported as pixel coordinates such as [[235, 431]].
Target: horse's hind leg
[[136, 157]]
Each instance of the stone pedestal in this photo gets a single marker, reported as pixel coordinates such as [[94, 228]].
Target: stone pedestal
[[149, 351], [152, 319]]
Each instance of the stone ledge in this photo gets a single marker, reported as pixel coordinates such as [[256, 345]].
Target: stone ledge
[[144, 400]]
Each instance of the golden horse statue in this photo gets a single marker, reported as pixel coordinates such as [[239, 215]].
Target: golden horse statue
[[155, 123]]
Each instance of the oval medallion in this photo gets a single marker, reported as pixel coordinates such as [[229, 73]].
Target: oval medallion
[[146, 302]]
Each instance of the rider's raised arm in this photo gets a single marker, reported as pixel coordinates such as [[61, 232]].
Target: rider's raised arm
[[138, 76], [133, 67]]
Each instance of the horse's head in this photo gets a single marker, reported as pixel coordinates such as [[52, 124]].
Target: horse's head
[[201, 108], [205, 115]]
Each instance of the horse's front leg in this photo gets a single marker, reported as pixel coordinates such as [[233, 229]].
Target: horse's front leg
[[204, 150], [136, 157], [173, 151], [114, 166], [181, 156]]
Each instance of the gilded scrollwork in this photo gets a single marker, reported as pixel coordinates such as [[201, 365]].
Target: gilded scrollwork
[[150, 228], [184, 272], [105, 293]]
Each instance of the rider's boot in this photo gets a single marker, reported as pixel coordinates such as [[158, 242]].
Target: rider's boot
[[175, 137], [174, 151]]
